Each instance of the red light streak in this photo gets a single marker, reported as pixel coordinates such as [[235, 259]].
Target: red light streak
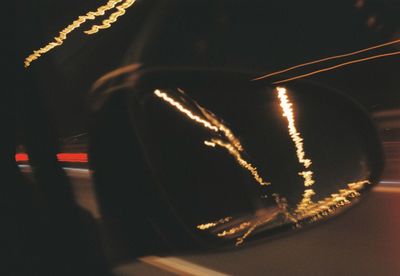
[[62, 157]]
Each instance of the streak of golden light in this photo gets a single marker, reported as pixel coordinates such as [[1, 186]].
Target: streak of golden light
[[113, 74], [62, 36], [287, 111], [213, 224], [227, 132], [184, 110], [328, 58], [337, 66], [233, 145], [113, 17], [235, 153], [210, 144]]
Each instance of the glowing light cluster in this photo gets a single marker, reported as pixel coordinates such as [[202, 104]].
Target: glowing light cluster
[[329, 205], [213, 224], [307, 211], [314, 211], [62, 36], [211, 122]]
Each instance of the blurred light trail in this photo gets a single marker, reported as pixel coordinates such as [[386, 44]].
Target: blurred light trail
[[62, 157], [113, 17], [338, 66], [287, 111], [329, 205], [328, 58], [59, 40], [234, 230], [184, 110], [211, 122], [213, 224], [239, 159]]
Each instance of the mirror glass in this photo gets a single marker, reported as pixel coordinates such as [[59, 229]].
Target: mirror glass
[[237, 160]]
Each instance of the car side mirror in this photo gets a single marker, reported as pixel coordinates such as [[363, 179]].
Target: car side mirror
[[191, 159]]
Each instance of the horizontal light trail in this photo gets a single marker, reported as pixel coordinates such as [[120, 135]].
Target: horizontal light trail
[[337, 66], [328, 58], [62, 157], [384, 182]]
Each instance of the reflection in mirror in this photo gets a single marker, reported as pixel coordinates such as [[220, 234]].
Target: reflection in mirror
[[235, 167]]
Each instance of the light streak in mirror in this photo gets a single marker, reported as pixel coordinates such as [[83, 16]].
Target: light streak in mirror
[[210, 121], [213, 224], [234, 230], [239, 159], [287, 111]]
